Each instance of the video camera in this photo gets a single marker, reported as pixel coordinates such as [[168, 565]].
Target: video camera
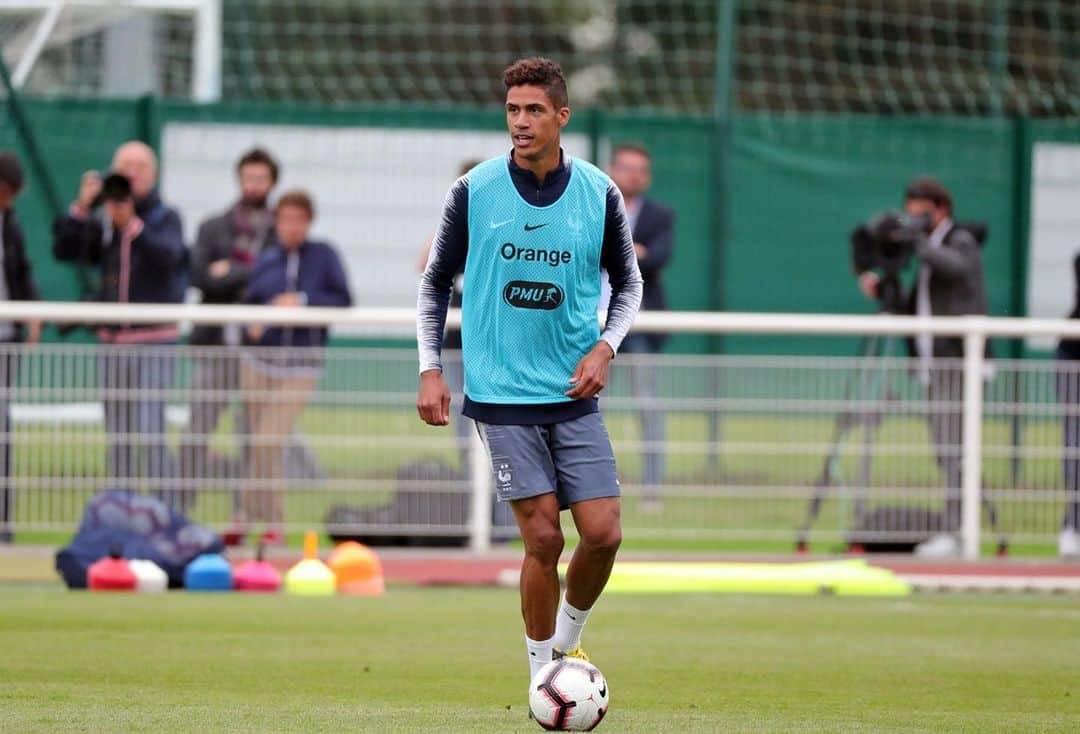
[[887, 241]]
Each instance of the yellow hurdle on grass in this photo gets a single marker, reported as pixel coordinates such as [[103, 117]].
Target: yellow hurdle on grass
[[845, 578]]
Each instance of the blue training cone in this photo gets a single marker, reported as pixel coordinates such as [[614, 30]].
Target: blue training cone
[[208, 572]]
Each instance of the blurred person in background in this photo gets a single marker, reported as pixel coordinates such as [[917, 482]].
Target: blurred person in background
[[279, 377], [1068, 391], [222, 261], [653, 227], [950, 282], [17, 284], [138, 246]]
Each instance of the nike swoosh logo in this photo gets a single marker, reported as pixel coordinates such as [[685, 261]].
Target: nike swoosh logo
[[529, 228], [495, 225]]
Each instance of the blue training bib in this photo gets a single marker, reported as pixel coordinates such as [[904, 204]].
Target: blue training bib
[[532, 285]]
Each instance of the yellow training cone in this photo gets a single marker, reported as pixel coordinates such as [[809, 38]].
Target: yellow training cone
[[358, 569], [310, 577]]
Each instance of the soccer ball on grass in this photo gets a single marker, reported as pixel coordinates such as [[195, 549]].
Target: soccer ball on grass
[[568, 695]]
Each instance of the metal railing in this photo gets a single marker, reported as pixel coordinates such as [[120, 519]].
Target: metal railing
[[710, 447]]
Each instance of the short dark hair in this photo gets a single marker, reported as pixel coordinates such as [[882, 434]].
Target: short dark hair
[[259, 157], [929, 188], [630, 147], [539, 72], [11, 172], [298, 198]]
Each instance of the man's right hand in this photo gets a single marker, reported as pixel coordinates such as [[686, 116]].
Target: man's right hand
[[868, 284], [433, 400], [89, 188]]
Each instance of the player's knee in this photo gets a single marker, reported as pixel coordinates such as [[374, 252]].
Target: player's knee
[[604, 540], [544, 542]]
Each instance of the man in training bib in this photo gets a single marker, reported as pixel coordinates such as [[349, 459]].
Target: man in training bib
[[533, 229]]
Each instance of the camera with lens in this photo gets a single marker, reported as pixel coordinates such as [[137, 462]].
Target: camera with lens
[[887, 241], [114, 187]]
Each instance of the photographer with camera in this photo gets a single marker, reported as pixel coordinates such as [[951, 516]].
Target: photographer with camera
[[950, 282], [137, 245]]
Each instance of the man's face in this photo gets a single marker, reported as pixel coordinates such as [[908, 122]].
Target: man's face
[[7, 196], [920, 207], [256, 183], [136, 163], [534, 122], [292, 226], [632, 173]]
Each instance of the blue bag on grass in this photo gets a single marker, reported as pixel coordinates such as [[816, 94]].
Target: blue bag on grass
[[138, 527]]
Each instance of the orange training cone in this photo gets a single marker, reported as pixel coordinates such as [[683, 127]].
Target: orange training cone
[[358, 569]]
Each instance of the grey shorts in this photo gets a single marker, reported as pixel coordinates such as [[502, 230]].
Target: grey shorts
[[573, 459]]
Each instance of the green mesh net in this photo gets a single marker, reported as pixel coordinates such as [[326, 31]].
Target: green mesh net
[[955, 57]]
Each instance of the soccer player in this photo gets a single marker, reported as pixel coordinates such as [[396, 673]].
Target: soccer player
[[533, 230]]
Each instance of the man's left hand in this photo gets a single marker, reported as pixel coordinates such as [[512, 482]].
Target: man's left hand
[[591, 374], [640, 250]]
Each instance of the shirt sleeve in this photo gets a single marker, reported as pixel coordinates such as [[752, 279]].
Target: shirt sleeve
[[617, 256], [447, 256]]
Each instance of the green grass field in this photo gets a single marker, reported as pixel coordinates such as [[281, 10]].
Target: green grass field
[[451, 660]]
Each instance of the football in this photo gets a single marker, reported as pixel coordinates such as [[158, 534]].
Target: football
[[569, 695]]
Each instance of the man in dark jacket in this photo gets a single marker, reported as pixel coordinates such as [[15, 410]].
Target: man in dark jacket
[[138, 246], [17, 284], [950, 283], [224, 256], [653, 229]]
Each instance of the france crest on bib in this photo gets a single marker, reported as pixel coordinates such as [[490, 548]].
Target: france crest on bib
[[532, 284]]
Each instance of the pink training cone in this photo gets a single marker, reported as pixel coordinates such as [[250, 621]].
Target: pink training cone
[[256, 575]]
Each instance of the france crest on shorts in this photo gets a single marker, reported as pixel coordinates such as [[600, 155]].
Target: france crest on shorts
[[532, 284]]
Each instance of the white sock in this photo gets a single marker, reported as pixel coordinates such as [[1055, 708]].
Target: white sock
[[539, 655], [568, 624]]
